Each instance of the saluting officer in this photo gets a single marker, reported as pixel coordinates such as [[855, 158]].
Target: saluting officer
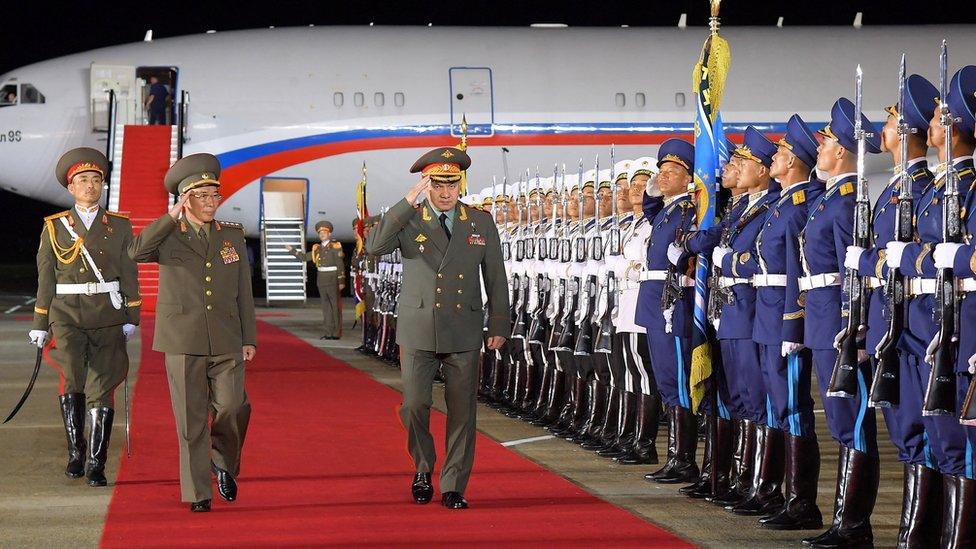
[[205, 324], [446, 248], [327, 257], [88, 297], [922, 491]]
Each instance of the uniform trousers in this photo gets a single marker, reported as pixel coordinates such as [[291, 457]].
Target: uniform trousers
[[90, 361], [789, 402], [202, 387], [904, 422], [946, 436], [460, 371], [671, 361], [850, 421], [631, 348], [743, 386], [331, 311]]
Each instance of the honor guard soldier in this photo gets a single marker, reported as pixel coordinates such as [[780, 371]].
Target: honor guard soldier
[[774, 266], [446, 248], [631, 338], [327, 257], [668, 321], [824, 241], [922, 488], [952, 443], [88, 298], [205, 325]]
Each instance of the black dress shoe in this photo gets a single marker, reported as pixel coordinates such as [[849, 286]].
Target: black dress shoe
[[226, 485], [202, 506], [421, 488], [454, 500]]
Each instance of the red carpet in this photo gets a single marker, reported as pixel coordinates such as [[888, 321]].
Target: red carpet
[[325, 464]]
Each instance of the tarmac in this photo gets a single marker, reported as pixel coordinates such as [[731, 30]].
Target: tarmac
[[40, 507]]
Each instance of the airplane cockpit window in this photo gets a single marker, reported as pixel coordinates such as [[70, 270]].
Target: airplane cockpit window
[[8, 95], [30, 94]]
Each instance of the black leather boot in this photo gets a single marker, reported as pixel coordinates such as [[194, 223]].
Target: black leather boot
[[553, 399], [703, 486], [643, 451], [98, 439], [921, 507], [568, 411], [857, 489], [626, 426], [735, 462], [540, 397], [669, 462], [800, 510], [73, 414], [596, 405], [766, 496], [533, 382], [684, 468], [516, 386], [959, 528], [742, 487], [579, 411], [610, 412]]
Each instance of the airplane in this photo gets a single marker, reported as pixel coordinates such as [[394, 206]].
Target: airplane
[[318, 102]]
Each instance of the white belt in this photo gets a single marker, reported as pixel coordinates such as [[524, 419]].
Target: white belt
[[728, 281], [921, 286], [328, 269], [819, 281], [663, 275], [967, 285], [624, 285], [875, 282], [88, 288], [763, 280]]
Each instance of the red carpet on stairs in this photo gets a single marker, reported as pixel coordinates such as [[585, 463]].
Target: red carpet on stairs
[[325, 464]]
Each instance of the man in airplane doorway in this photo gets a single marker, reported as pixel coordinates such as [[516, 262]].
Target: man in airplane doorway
[[156, 101], [446, 247], [328, 260]]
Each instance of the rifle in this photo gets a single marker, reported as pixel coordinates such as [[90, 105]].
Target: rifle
[[606, 329], [540, 326], [574, 286], [542, 244], [583, 346], [562, 255], [521, 286], [844, 380], [672, 282], [719, 295], [527, 237], [885, 390], [940, 394]]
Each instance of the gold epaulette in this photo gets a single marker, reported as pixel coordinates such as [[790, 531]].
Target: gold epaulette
[[918, 173], [57, 215], [337, 245], [231, 224], [799, 197], [118, 214], [964, 173], [846, 189], [686, 204]]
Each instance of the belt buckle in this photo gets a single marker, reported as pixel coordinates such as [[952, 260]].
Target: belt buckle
[[90, 288]]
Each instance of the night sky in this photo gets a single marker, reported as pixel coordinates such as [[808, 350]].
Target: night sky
[[46, 31]]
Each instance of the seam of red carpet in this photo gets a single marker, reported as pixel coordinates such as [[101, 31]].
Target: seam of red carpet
[[324, 464]]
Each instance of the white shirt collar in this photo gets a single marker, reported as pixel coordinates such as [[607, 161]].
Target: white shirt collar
[[831, 181], [673, 199], [87, 215]]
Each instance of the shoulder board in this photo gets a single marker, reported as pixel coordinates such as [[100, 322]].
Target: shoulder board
[[231, 224], [846, 189], [118, 214], [921, 172], [337, 245], [965, 173], [799, 197], [686, 204], [57, 215]]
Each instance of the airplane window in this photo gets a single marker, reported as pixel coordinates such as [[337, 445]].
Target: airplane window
[[398, 99], [8, 95], [620, 99], [679, 99], [30, 94], [378, 99], [639, 99], [337, 99], [359, 99]]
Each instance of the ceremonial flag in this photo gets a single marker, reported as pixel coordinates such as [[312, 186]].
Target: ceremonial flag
[[362, 213], [708, 79]]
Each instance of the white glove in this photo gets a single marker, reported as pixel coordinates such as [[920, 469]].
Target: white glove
[[652, 190], [839, 338], [668, 315], [716, 323], [853, 257], [674, 254], [893, 252], [791, 347], [718, 254], [972, 365], [945, 254], [38, 337], [128, 330]]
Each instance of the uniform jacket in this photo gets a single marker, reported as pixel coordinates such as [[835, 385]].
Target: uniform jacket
[[665, 223], [440, 305], [205, 305], [324, 257], [60, 261]]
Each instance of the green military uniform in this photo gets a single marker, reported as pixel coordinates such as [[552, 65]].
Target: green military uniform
[[204, 316], [328, 260], [86, 313], [441, 315]]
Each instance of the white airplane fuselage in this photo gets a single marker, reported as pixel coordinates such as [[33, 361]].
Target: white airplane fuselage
[[267, 102]]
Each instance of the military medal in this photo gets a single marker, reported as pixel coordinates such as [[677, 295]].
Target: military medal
[[476, 240], [228, 254], [421, 248]]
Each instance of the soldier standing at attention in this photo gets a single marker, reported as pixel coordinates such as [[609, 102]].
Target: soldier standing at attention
[[446, 248], [88, 297], [205, 324], [327, 258]]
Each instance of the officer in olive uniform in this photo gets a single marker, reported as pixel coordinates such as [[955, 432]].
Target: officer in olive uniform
[[205, 324], [328, 259], [446, 247], [88, 297]]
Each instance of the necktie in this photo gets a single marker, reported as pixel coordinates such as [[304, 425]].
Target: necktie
[[203, 234], [443, 218]]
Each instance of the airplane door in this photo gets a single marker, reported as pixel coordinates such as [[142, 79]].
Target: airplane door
[[471, 97], [122, 79]]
